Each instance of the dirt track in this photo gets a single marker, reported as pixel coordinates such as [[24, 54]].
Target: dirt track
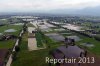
[[32, 44]]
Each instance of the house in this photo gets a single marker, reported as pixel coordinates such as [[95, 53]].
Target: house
[[7, 37], [3, 56], [70, 52]]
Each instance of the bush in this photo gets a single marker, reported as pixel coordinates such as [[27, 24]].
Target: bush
[[17, 48], [14, 56], [97, 38]]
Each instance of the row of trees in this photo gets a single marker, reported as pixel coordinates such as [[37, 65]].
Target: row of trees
[[17, 48], [82, 33]]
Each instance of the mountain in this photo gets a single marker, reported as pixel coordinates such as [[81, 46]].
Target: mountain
[[89, 11], [93, 11]]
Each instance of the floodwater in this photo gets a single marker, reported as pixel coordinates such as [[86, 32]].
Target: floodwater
[[18, 24], [1, 34], [72, 27], [30, 29], [10, 30], [55, 36], [88, 44], [76, 38]]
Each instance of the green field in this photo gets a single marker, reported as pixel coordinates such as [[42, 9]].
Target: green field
[[4, 21], [30, 25], [9, 43], [39, 39], [95, 49], [36, 57], [16, 27]]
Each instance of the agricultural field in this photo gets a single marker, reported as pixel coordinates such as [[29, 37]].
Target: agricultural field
[[9, 43], [25, 57], [8, 36], [30, 25], [84, 39], [3, 21], [95, 49], [47, 41], [39, 38], [49, 33]]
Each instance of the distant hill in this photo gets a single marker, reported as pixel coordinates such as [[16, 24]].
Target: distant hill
[[89, 11], [94, 11]]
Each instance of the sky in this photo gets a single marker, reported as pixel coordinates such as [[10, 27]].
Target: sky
[[44, 5]]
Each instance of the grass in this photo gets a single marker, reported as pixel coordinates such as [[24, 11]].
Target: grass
[[24, 42], [9, 43], [5, 21], [16, 27], [33, 58], [95, 49], [88, 24], [30, 25], [39, 39], [37, 57]]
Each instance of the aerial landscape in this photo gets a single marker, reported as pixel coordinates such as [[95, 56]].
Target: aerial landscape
[[50, 33]]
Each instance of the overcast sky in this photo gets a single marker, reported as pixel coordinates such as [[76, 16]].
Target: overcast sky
[[44, 5]]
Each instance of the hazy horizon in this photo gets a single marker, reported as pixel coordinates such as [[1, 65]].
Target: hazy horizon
[[50, 6], [45, 5]]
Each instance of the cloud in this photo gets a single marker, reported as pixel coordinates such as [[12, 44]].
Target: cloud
[[45, 5]]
